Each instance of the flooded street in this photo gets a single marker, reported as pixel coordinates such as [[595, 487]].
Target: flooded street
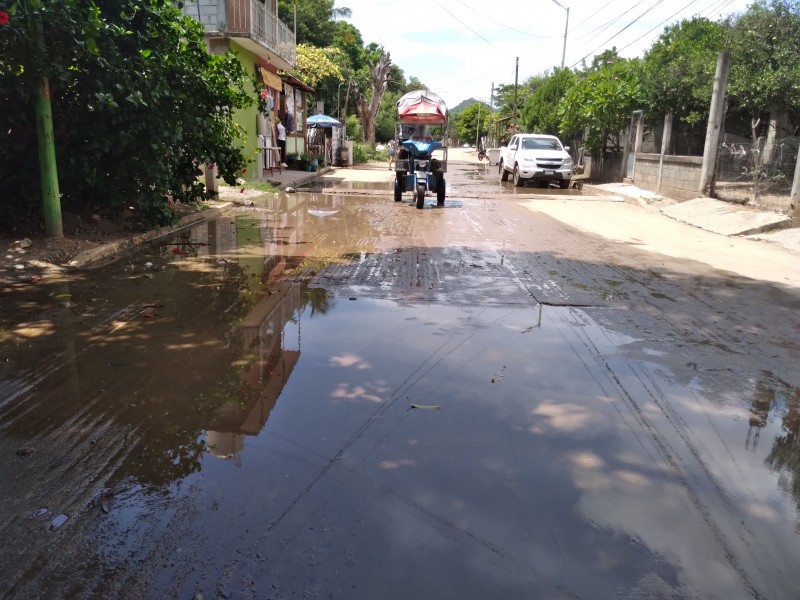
[[330, 394]]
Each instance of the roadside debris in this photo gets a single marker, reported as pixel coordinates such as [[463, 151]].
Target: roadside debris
[[105, 501], [58, 521]]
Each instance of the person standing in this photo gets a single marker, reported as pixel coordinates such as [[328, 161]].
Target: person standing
[[282, 143], [392, 149]]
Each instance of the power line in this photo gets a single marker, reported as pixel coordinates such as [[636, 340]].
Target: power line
[[601, 28], [719, 6], [659, 25], [482, 16], [619, 32], [462, 22], [574, 27]]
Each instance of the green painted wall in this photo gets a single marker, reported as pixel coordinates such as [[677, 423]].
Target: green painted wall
[[247, 117]]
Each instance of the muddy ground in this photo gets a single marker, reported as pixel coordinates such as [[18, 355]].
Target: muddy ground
[[524, 393]]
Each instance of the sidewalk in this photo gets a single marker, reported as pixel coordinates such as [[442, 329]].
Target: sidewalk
[[292, 178], [712, 215]]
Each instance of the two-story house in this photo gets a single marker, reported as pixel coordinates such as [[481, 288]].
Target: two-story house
[[265, 46]]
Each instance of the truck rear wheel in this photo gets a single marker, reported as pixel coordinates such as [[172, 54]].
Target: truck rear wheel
[[503, 172]]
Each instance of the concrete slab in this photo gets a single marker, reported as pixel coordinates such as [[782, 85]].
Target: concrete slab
[[787, 238], [627, 190], [725, 218]]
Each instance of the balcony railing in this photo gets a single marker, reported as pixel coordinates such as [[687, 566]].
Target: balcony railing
[[252, 19]]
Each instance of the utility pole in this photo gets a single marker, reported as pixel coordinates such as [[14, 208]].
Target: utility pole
[[794, 198], [516, 76], [716, 114], [566, 28], [478, 126], [491, 113], [51, 198]]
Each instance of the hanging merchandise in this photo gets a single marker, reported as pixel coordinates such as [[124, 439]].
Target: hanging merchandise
[[289, 123], [269, 102], [289, 117]]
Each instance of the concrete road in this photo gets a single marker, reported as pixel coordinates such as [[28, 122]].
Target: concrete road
[[523, 394]]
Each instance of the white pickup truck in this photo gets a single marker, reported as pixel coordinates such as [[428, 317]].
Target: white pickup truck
[[535, 157]]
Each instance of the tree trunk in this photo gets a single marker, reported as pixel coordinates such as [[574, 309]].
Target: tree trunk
[[368, 108]]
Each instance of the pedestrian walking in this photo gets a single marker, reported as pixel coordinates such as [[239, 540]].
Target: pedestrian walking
[[392, 149], [282, 143]]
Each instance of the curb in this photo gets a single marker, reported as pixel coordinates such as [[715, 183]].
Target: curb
[[301, 181], [85, 258], [604, 192]]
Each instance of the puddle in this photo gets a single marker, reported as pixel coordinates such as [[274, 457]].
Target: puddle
[[271, 422], [332, 183], [235, 417]]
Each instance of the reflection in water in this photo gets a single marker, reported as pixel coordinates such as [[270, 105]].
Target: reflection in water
[[759, 412], [177, 348], [773, 395], [265, 371], [784, 458]]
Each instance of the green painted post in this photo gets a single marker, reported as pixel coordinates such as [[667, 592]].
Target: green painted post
[[51, 198]]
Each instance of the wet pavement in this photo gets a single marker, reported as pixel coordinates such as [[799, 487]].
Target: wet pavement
[[332, 395]]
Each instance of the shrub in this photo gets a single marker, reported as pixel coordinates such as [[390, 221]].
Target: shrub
[[138, 105], [364, 153]]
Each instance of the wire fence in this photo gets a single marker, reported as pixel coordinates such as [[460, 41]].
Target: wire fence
[[756, 173]]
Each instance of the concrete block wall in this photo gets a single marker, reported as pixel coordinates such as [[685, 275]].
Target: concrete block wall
[[680, 176], [210, 13]]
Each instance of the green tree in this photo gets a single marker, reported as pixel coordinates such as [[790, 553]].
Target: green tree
[[348, 39], [471, 123], [678, 70], [316, 64], [602, 103], [765, 59], [387, 116], [138, 105], [540, 113], [316, 20], [415, 84], [606, 57]]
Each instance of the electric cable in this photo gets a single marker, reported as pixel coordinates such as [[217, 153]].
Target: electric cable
[[574, 27], [659, 25], [619, 32], [462, 22], [602, 27], [482, 16]]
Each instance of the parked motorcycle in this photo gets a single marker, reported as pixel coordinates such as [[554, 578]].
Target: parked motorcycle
[[482, 154]]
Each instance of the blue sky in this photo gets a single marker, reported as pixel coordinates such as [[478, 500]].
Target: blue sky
[[460, 47]]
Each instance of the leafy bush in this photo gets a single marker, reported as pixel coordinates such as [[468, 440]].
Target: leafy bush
[[138, 105], [364, 153], [354, 130]]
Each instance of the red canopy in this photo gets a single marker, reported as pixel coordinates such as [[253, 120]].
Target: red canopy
[[421, 106]]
